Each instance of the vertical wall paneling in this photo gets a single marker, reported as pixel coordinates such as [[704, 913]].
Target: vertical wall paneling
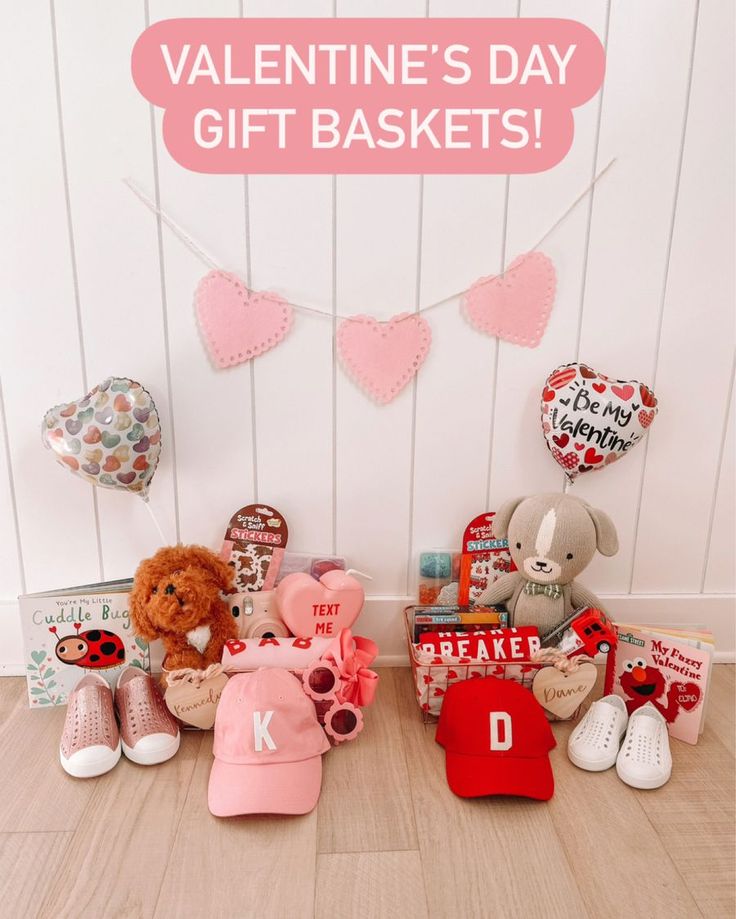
[[211, 407], [377, 274], [462, 230], [11, 554], [291, 253], [685, 440], [644, 106], [116, 247], [40, 356], [719, 573], [521, 462], [94, 284]]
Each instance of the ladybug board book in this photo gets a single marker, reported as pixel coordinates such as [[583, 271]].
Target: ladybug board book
[[666, 666], [67, 633]]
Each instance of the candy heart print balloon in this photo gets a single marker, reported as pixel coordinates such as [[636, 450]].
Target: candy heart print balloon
[[589, 420], [86, 435], [323, 607]]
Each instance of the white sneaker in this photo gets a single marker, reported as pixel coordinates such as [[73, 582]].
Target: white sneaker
[[644, 760], [594, 743]]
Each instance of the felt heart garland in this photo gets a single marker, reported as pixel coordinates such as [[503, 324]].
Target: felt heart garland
[[382, 357], [515, 305], [237, 323]]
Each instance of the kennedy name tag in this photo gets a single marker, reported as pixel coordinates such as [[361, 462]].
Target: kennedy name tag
[[192, 695]]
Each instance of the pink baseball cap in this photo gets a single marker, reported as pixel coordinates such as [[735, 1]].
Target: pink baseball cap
[[268, 747]]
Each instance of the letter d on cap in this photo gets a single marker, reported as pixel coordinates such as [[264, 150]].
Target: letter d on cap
[[260, 731], [498, 718]]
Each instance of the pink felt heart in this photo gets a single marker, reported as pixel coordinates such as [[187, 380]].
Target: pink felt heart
[[382, 357], [238, 324], [515, 305]]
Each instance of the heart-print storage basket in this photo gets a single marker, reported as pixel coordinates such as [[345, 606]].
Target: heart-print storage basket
[[431, 680]]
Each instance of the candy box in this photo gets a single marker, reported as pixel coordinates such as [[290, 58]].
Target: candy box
[[437, 569], [307, 563]]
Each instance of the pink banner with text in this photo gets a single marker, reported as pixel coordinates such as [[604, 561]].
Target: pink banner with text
[[368, 95]]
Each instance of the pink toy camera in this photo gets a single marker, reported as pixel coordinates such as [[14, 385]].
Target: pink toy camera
[[257, 615]]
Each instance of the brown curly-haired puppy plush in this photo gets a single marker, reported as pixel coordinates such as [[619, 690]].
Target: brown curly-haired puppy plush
[[176, 597]]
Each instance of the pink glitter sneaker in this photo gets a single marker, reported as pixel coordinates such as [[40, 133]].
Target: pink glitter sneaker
[[90, 742], [149, 732]]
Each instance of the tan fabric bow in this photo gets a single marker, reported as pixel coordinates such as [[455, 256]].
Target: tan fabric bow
[[559, 660], [195, 677]]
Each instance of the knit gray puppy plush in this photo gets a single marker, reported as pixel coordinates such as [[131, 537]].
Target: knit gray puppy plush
[[552, 538]]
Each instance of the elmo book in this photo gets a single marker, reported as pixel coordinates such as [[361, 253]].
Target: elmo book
[[669, 667], [67, 633]]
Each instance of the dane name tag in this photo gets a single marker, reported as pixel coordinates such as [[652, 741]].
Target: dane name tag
[[561, 693]]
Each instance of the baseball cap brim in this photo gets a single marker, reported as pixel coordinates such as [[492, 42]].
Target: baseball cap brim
[[276, 788], [476, 776]]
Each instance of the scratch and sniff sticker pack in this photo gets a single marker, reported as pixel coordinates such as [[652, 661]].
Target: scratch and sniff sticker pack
[[255, 540], [484, 558]]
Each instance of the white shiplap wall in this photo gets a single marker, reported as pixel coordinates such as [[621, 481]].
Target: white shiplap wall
[[93, 285]]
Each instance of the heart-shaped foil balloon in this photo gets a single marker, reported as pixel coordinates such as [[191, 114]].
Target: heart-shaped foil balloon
[[110, 437], [589, 420]]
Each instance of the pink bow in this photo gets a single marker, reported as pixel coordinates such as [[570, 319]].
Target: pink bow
[[351, 656]]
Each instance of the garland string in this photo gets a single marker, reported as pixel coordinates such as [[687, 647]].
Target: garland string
[[211, 263]]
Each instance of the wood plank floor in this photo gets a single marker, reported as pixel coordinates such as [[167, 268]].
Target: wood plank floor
[[387, 839]]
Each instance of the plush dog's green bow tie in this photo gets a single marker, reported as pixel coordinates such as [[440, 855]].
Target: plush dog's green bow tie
[[554, 591]]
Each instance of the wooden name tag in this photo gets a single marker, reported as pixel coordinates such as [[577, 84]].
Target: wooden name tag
[[192, 699], [561, 693]]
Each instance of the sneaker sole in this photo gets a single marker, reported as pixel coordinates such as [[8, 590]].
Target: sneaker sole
[[88, 770], [152, 757], [588, 766], [645, 784]]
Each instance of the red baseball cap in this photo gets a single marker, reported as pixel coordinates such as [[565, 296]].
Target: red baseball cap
[[497, 740]]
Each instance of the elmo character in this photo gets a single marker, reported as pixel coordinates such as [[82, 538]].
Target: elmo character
[[644, 684]]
